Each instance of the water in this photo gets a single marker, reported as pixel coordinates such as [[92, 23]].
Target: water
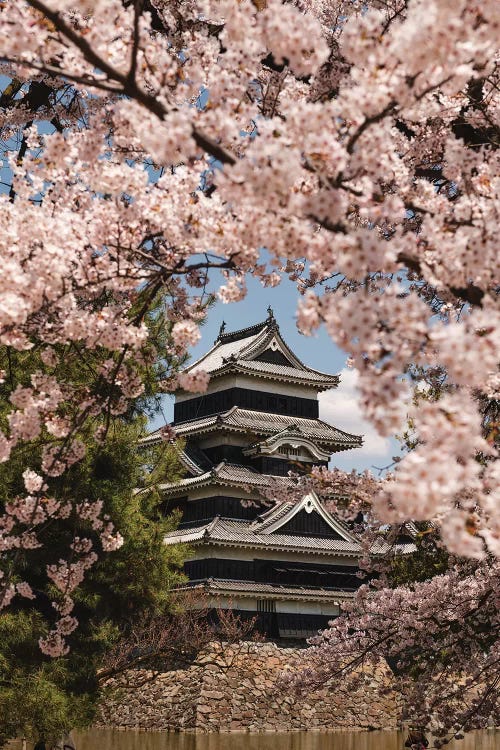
[[109, 739]]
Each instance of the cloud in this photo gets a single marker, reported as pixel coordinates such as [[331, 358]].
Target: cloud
[[341, 408]]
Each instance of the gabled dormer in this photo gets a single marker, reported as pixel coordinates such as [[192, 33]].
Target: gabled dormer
[[260, 351], [306, 518], [289, 444]]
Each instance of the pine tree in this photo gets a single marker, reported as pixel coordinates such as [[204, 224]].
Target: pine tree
[[40, 696]]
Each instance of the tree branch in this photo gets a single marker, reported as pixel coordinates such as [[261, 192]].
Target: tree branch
[[128, 83]]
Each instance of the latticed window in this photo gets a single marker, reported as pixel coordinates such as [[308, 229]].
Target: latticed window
[[266, 605], [287, 450]]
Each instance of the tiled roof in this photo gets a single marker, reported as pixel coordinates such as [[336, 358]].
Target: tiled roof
[[238, 350], [249, 588], [273, 514], [195, 459], [216, 356], [188, 463], [269, 369], [265, 423], [197, 425], [224, 473], [239, 533], [243, 474], [282, 512], [244, 333]]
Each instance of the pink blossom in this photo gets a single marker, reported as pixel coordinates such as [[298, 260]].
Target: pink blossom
[[233, 291], [185, 333], [348, 142], [57, 426], [49, 357], [195, 381], [53, 645], [24, 589], [111, 540], [32, 481], [167, 433]]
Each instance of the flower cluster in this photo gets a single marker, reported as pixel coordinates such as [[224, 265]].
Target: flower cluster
[[403, 625], [195, 381], [359, 147]]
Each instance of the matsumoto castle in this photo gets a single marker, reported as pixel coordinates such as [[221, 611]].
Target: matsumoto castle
[[291, 564]]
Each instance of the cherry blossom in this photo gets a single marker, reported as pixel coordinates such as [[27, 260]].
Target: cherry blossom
[[356, 142], [195, 381], [453, 686]]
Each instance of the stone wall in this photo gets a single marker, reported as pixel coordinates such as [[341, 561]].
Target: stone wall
[[239, 690]]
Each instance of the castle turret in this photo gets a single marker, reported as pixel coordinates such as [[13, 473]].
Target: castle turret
[[292, 564]]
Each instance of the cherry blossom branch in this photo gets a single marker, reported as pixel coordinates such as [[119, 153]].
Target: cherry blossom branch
[[128, 83]]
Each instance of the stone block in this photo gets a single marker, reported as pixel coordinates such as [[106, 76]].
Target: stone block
[[245, 698]]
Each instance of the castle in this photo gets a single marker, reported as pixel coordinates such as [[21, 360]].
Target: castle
[[290, 564]]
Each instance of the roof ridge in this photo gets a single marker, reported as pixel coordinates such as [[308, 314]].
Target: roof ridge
[[273, 326], [263, 369], [277, 504], [211, 526], [190, 463], [174, 424], [243, 333], [263, 521], [215, 469], [274, 436], [344, 432]]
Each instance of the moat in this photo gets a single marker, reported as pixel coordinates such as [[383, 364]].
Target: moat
[[103, 739]]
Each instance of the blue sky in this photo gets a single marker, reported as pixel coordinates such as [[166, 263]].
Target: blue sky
[[338, 406]]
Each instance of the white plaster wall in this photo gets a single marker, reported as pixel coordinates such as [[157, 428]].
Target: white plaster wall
[[199, 493], [285, 606], [204, 551], [254, 384]]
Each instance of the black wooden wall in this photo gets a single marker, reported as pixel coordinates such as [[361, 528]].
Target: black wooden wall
[[311, 575], [245, 398]]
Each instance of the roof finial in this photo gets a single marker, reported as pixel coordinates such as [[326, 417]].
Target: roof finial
[[221, 329], [270, 313]]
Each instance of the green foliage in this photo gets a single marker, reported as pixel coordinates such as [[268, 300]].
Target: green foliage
[[427, 561], [44, 697], [37, 697]]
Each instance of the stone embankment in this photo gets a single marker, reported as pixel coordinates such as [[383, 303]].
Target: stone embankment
[[240, 689]]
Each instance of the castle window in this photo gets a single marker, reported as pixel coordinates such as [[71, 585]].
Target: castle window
[[266, 605]]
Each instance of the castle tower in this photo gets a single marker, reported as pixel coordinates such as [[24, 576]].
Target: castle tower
[[290, 563]]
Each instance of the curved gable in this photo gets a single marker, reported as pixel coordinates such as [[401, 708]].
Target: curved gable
[[310, 516], [273, 357], [272, 349], [309, 524]]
